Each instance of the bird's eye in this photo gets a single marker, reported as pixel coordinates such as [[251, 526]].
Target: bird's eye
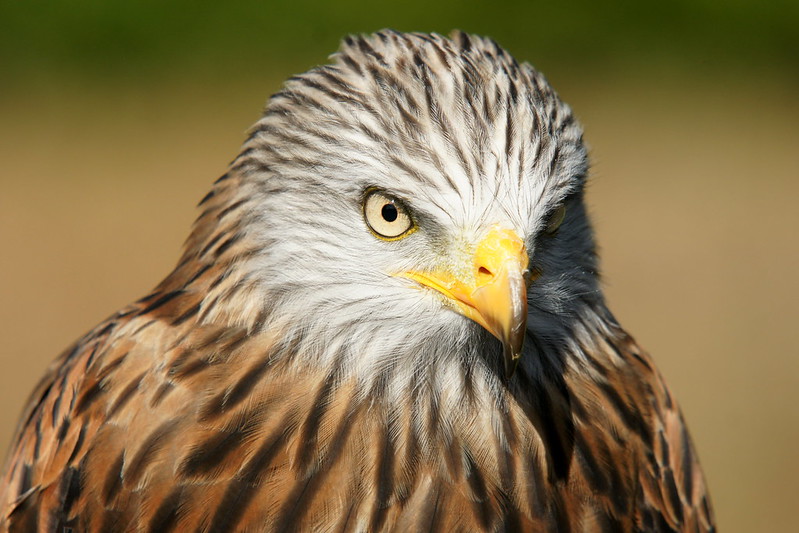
[[555, 220], [386, 216]]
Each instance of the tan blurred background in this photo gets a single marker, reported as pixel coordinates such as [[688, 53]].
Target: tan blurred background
[[115, 119]]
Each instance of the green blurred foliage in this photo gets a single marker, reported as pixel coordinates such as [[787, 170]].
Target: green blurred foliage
[[151, 37]]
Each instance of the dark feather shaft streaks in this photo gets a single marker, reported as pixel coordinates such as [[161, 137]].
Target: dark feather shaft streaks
[[282, 378]]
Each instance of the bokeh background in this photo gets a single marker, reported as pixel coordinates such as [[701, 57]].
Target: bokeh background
[[115, 117]]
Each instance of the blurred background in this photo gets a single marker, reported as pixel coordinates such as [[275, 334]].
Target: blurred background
[[115, 117]]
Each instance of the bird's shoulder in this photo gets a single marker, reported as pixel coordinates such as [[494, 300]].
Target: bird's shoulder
[[671, 494], [95, 399]]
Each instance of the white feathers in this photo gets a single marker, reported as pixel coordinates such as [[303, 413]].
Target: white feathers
[[466, 138]]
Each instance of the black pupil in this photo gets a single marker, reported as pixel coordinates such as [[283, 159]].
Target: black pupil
[[389, 212]]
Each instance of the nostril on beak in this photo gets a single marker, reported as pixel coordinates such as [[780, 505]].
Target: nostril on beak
[[484, 275]]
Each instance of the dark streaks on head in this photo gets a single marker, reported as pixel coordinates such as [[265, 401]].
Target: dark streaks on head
[[368, 50], [329, 92], [200, 271], [230, 241], [330, 76], [350, 62], [225, 274], [210, 244], [207, 197], [222, 178]]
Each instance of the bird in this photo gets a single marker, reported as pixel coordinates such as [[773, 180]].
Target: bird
[[388, 316]]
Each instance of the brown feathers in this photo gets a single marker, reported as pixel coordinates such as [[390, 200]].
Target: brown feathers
[[212, 435], [281, 378]]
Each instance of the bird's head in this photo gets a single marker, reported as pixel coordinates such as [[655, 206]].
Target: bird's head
[[414, 202]]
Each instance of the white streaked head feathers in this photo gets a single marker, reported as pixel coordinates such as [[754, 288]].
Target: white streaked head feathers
[[467, 138]]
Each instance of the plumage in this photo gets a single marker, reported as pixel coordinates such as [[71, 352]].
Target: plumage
[[305, 369]]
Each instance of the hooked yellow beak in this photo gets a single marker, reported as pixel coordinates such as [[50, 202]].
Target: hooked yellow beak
[[491, 290]]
